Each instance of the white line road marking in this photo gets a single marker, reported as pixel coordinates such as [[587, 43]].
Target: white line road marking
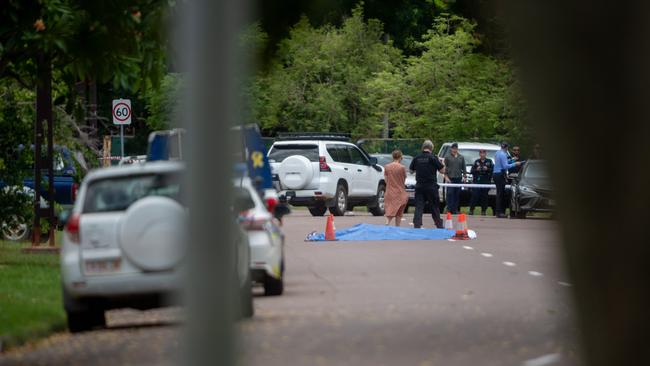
[[509, 264], [548, 359], [536, 274], [467, 247], [487, 255], [566, 284]]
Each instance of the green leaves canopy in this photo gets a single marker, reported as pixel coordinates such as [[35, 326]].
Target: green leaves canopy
[[319, 78]]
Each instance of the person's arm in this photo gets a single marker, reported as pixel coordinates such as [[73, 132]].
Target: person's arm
[[463, 167], [474, 169], [445, 178]]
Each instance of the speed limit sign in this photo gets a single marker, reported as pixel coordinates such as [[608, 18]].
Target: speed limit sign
[[121, 111]]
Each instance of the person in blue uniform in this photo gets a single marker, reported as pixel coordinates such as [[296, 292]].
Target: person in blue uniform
[[499, 175]]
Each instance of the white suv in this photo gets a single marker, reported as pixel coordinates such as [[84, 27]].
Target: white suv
[[324, 171], [124, 244]]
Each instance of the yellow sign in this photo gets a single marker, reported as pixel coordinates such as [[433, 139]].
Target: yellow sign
[[258, 159]]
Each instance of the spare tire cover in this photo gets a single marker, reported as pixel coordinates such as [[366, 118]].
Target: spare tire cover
[[295, 172], [153, 233]]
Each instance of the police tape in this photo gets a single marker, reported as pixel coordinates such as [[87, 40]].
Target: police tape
[[470, 185]]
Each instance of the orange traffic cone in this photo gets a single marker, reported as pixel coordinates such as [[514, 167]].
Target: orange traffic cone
[[449, 223], [461, 228], [330, 230]]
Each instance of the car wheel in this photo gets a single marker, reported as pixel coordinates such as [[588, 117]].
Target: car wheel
[[318, 210], [378, 209], [81, 321], [341, 201], [15, 228], [273, 286]]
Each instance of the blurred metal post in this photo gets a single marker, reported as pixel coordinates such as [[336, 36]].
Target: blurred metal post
[[585, 71], [209, 45]]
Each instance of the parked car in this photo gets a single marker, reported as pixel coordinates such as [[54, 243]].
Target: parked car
[[531, 190], [469, 150], [324, 170], [124, 244], [265, 238], [384, 159], [65, 191]]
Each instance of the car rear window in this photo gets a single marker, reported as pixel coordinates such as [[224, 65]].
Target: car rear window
[[117, 194], [280, 152]]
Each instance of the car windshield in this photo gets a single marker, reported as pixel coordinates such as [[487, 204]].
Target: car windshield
[[471, 155], [384, 160], [535, 170], [282, 151], [117, 194]]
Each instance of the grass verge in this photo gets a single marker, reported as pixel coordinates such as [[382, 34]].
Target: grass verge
[[30, 295]]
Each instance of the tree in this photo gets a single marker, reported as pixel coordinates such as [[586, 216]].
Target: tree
[[449, 92], [319, 78]]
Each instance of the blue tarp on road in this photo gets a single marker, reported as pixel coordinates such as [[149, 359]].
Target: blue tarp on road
[[383, 232]]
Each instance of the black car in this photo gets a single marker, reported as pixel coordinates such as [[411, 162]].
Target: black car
[[531, 190]]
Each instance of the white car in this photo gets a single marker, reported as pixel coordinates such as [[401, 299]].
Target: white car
[[324, 171], [124, 244], [265, 239], [470, 151]]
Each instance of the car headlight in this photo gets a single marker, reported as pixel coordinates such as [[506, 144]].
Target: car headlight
[[527, 189]]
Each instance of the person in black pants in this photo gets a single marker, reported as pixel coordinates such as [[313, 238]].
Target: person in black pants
[[481, 174], [425, 166], [501, 167]]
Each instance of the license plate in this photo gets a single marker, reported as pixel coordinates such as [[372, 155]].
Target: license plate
[[492, 192], [411, 194], [102, 266]]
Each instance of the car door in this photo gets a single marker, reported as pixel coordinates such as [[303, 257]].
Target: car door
[[363, 177], [342, 166]]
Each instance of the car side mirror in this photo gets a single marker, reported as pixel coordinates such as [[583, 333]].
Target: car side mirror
[[373, 160], [64, 216]]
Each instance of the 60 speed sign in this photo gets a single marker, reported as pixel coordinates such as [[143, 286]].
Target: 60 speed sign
[[121, 111]]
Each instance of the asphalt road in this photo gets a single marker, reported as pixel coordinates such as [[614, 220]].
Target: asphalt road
[[502, 299]]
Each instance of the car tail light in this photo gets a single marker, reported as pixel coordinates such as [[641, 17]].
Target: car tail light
[[72, 228], [323, 164], [75, 187], [271, 202]]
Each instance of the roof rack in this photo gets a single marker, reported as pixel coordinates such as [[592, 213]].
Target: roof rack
[[330, 136]]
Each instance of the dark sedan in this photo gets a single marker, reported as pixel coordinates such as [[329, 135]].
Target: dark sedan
[[531, 190]]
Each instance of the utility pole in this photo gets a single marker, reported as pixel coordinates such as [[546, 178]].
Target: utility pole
[[43, 118]]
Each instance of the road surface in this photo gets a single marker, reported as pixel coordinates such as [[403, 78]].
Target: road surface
[[502, 299]]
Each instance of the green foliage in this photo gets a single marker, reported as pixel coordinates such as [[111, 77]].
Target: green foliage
[[318, 80], [449, 92], [118, 41], [163, 102], [348, 79]]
